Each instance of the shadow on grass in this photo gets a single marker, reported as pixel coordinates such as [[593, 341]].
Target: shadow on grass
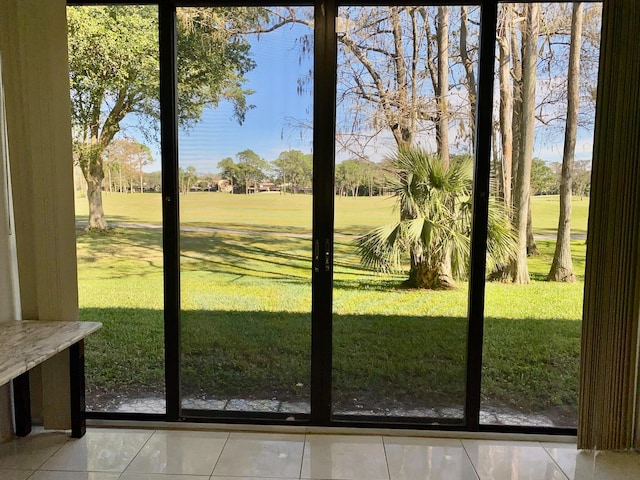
[[378, 361], [260, 256], [123, 221]]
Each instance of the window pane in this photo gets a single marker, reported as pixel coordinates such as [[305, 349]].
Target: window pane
[[403, 219], [245, 208], [533, 307], [113, 56]]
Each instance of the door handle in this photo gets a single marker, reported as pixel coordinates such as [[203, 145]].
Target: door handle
[[316, 256], [327, 255]]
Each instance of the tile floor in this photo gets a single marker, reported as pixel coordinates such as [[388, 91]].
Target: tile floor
[[129, 454]]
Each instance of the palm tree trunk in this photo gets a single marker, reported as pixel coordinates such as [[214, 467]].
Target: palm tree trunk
[[430, 275]]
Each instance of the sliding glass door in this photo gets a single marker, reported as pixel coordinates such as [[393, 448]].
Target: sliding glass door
[[366, 210], [403, 186], [245, 189]]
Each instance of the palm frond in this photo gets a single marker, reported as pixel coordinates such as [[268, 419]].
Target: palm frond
[[502, 241], [436, 217], [381, 249]]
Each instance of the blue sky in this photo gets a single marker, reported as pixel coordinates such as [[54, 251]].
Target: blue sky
[[268, 128]]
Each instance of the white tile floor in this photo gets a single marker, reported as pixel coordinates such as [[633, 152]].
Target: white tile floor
[[128, 454]]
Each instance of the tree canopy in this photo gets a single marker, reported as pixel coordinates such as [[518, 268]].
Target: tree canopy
[[114, 73], [294, 169]]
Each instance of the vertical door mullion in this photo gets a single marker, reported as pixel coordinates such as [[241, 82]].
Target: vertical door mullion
[[324, 108], [482, 168], [170, 206]]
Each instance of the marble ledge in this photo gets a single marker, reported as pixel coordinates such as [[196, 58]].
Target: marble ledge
[[27, 343]]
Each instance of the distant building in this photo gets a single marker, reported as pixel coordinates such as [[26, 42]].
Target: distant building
[[225, 186], [263, 187]]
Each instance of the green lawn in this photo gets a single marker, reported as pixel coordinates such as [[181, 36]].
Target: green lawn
[[246, 301], [354, 215]]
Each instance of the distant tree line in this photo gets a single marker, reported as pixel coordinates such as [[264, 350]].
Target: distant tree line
[[546, 178], [291, 172]]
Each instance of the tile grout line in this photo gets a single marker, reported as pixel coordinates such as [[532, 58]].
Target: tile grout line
[[553, 460], [66, 440], [138, 452], [464, 448], [226, 440], [304, 447], [386, 459]]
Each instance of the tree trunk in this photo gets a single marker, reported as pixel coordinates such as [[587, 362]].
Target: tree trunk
[[90, 161], [506, 106], [94, 196], [562, 265], [432, 277], [442, 126], [520, 270], [532, 248], [442, 90], [403, 126], [516, 123], [468, 67]]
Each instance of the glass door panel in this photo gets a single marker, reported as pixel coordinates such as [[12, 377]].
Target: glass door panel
[[533, 306], [245, 103], [404, 168], [118, 203]]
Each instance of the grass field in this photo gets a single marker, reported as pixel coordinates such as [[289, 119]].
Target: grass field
[[246, 300], [292, 213]]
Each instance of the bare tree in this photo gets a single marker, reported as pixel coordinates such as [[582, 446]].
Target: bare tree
[[469, 71], [128, 157], [505, 27], [520, 270], [442, 88], [562, 266]]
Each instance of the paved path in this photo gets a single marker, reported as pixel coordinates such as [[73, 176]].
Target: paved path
[[489, 415], [233, 231]]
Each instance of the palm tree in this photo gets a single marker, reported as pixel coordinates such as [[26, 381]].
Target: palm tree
[[435, 228]]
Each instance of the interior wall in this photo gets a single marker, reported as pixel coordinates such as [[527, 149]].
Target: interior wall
[[33, 41]]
